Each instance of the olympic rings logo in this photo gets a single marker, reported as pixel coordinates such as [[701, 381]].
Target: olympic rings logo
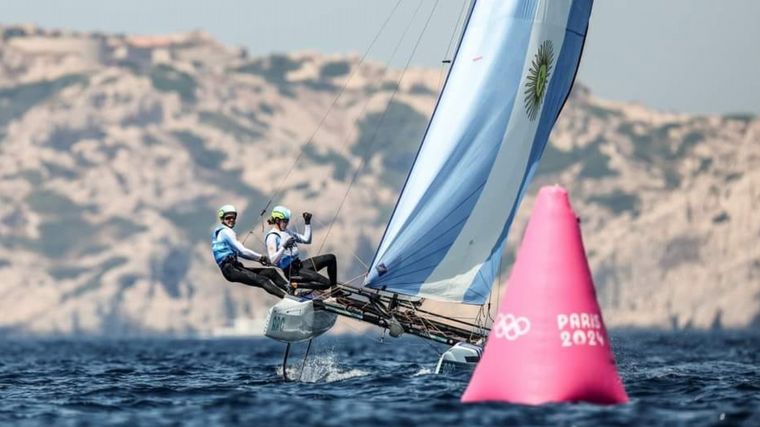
[[510, 327]]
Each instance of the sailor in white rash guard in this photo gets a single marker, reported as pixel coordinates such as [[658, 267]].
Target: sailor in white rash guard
[[282, 248], [226, 249]]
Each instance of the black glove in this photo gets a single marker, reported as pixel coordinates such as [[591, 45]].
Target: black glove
[[289, 243], [307, 218], [264, 260]]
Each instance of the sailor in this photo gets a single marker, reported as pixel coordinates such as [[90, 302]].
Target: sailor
[[226, 249], [282, 247]]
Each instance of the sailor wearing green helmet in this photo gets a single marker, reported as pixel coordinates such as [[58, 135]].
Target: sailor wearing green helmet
[[226, 249], [282, 247]]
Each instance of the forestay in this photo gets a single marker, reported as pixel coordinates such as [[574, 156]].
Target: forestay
[[512, 73]]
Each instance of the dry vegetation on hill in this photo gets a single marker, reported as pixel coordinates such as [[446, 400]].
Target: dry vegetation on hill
[[116, 151]]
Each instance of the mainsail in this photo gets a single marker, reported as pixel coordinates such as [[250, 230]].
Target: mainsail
[[512, 73]]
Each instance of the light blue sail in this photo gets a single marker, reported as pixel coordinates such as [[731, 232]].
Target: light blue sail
[[512, 73]]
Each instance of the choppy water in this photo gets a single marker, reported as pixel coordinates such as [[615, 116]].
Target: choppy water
[[672, 379]]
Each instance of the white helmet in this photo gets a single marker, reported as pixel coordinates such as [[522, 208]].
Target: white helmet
[[281, 212], [224, 210]]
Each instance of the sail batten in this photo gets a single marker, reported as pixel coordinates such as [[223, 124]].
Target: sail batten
[[516, 64]]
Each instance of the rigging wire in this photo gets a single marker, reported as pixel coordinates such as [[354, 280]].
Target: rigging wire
[[380, 122], [460, 22], [457, 28], [278, 193], [348, 282], [480, 317], [427, 330], [461, 38], [366, 104], [353, 253]]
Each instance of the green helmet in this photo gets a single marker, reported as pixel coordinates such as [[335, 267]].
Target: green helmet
[[224, 210], [281, 212]]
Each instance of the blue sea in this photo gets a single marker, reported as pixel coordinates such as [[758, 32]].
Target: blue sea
[[672, 378]]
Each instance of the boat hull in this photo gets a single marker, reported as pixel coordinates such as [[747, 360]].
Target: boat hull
[[294, 319], [460, 357]]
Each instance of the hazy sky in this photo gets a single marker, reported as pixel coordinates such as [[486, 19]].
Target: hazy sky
[[681, 55]]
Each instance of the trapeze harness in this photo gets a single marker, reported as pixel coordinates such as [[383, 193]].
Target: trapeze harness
[[286, 257], [226, 248]]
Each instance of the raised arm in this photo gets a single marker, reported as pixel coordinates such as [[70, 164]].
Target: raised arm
[[306, 236]]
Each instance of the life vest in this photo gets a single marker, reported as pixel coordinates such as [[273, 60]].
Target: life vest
[[289, 255], [220, 248]]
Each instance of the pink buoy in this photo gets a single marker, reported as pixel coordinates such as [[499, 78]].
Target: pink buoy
[[548, 343]]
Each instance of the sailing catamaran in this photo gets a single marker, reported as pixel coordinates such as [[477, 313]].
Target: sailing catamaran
[[510, 76]]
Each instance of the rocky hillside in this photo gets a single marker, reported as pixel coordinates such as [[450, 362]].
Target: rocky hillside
[[115, 152]]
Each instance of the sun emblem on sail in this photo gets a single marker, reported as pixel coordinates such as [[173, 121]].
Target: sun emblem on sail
[[538, 78]]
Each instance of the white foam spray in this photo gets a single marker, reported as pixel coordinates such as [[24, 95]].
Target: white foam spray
[[320, 368]]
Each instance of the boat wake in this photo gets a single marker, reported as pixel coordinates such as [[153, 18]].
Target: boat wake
[[323, 368], [423, 371]]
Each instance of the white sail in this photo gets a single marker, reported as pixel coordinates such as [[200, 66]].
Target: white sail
[[510, 78]]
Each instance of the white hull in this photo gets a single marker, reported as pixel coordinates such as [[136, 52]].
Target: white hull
[[294, 319], [461, 356]]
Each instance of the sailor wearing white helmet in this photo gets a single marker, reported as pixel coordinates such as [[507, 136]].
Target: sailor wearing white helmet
[[226, 249], [282, 248]]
